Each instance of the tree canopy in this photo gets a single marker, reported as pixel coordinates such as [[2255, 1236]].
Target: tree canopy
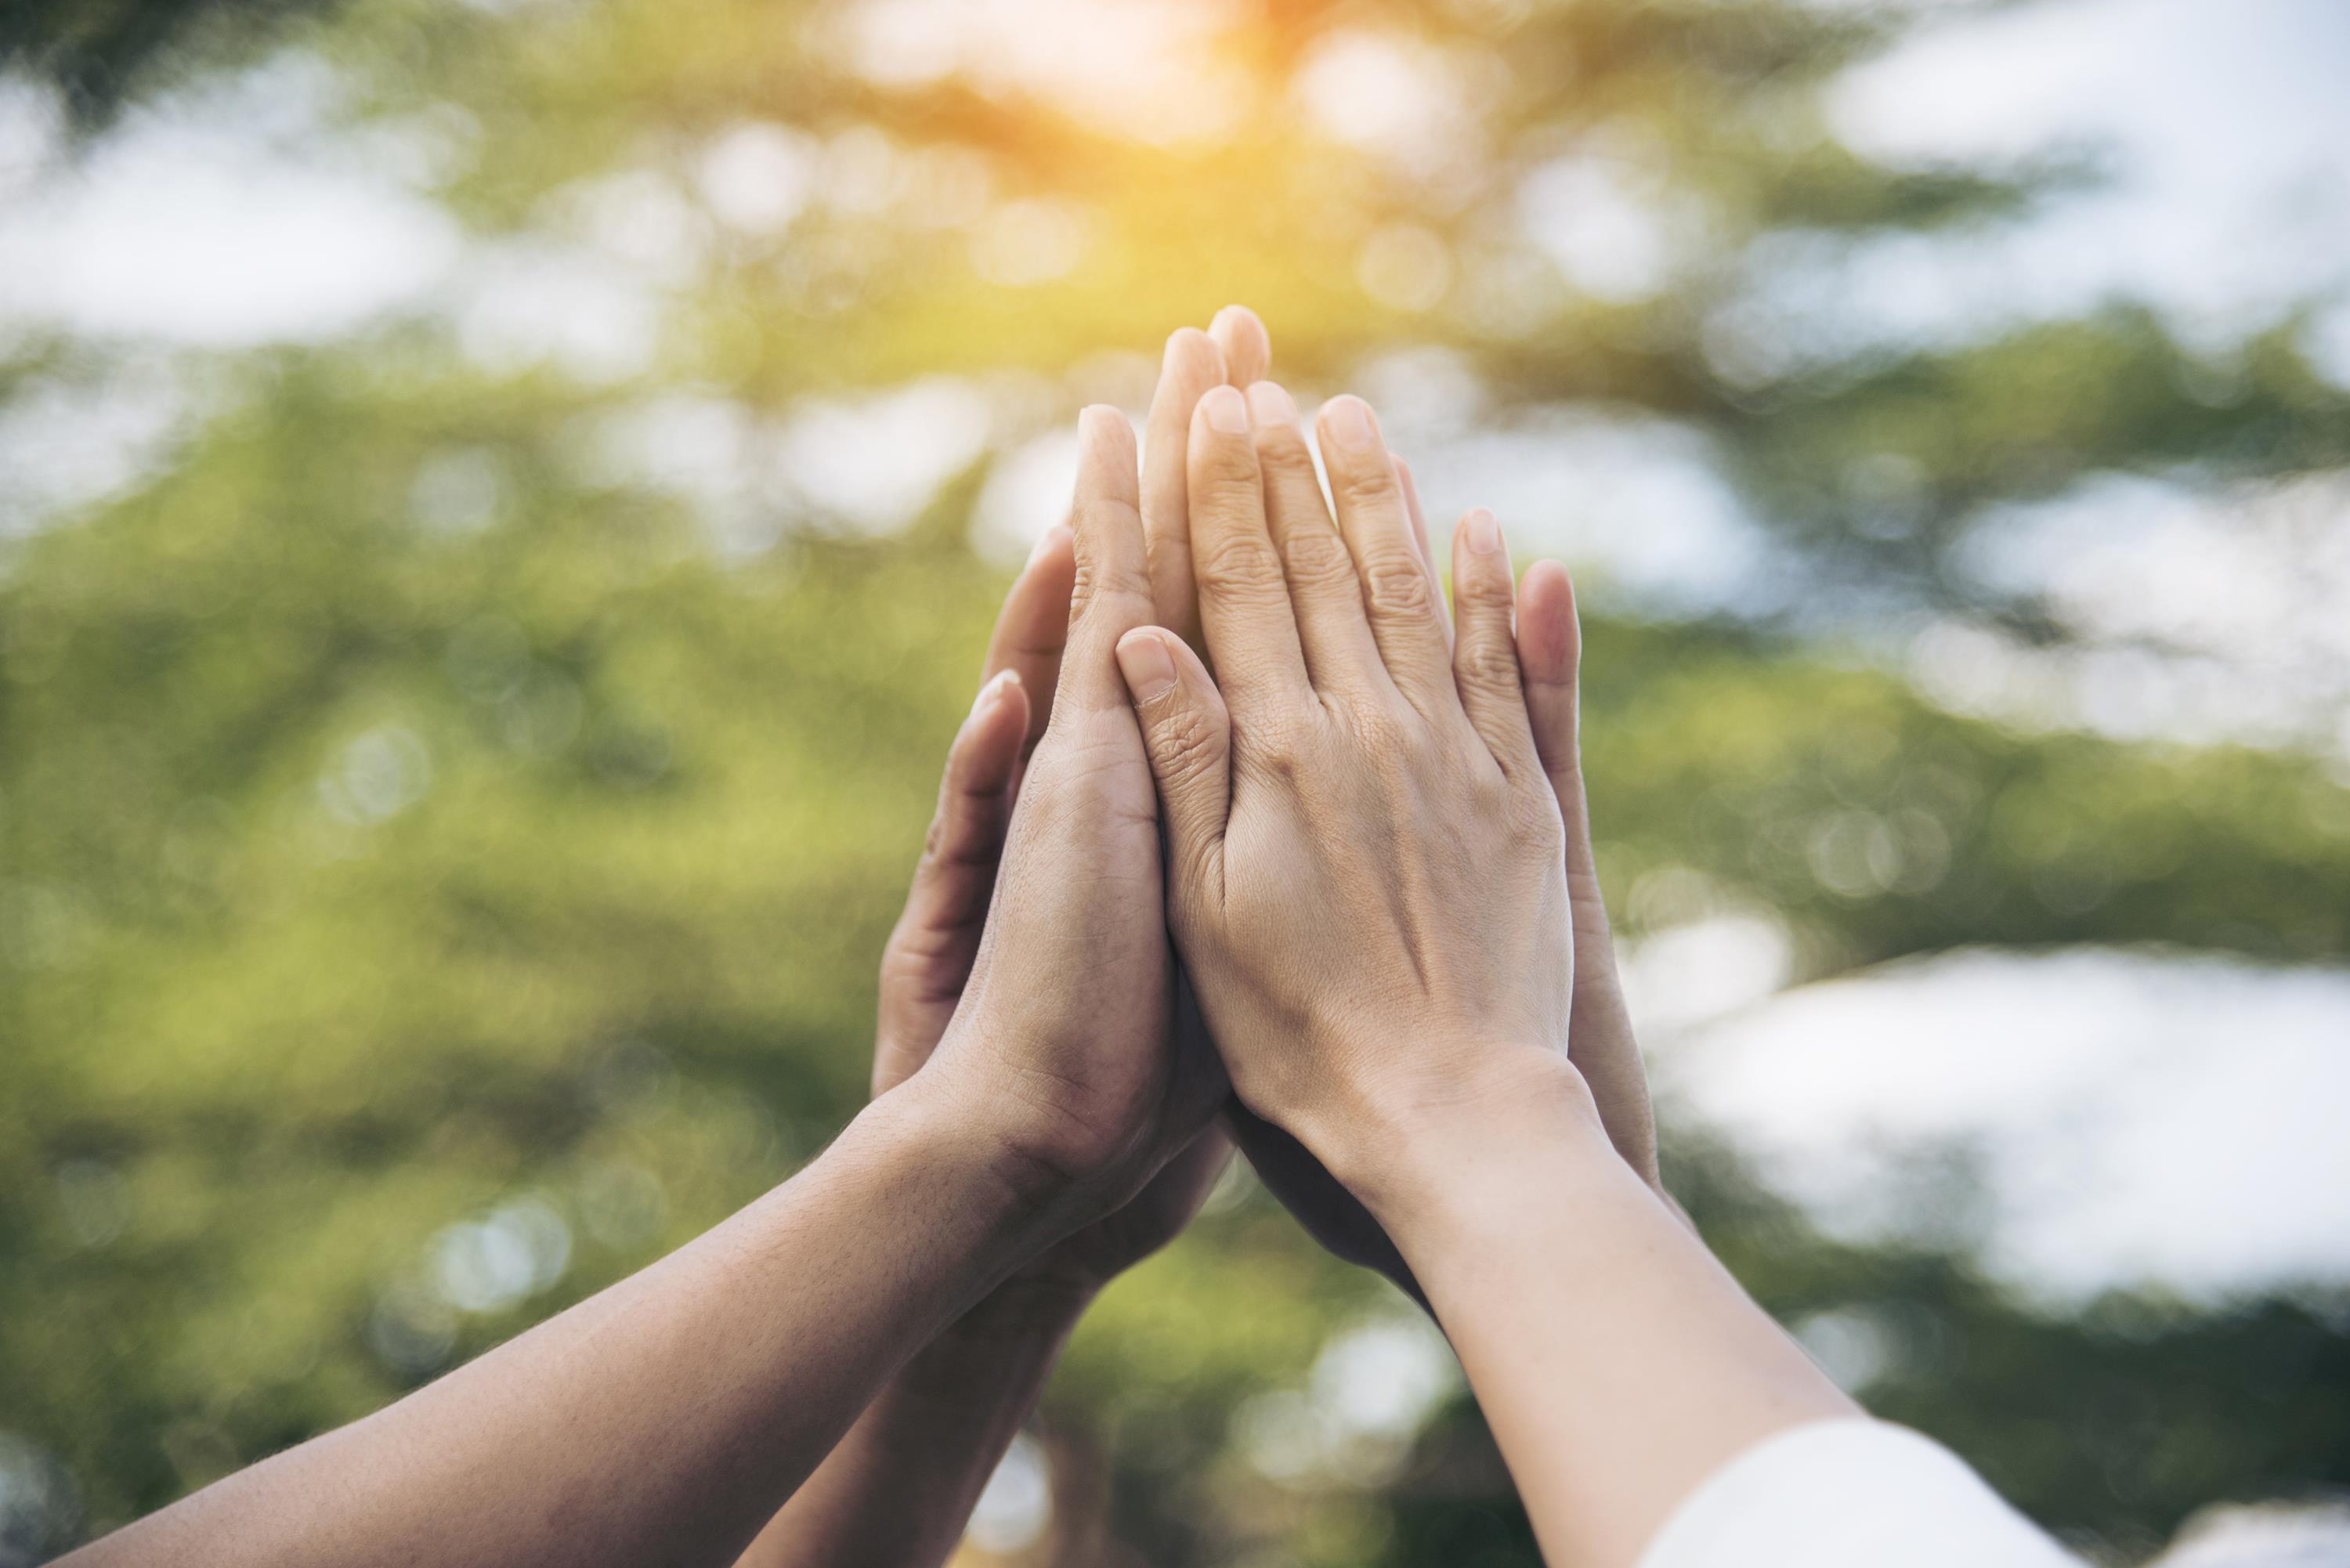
[[453, 801]]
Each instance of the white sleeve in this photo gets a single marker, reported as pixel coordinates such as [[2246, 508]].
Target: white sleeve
[[1851, 1493]]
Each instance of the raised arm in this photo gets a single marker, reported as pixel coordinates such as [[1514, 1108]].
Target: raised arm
[[665, 1420], [1369, 889], [1599, 1025], [899, 1487]]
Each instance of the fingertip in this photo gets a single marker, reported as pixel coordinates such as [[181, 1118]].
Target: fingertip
[[1147, 663], [1270, 405], [1058, 540], [1247, 346], [1548, 585], [1235, 318], [1349, 426], [1223, 410], [988, 747], [1002, 681], [1041, 595], [1100, 422], [1479, 532], [1548, 638], [1107, 468], [1193, 357]]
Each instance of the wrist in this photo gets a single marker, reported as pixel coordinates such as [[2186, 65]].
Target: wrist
[[929, 1121], [1419, 1157]]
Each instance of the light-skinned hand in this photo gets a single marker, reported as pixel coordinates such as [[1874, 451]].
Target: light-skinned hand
[[1599, 1025], [1366, 854]]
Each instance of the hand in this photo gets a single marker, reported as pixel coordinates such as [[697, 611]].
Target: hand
[[1062, 1044], [1599, 1025], [1367, 857], [1367, 869], [928, 955], [900, 1486]]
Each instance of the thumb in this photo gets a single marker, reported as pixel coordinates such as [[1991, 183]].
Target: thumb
[[1189, 734]]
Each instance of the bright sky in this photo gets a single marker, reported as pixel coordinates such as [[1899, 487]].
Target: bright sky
[[2137, 1117]]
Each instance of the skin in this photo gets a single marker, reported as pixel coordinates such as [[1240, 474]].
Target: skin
[[666, 1418], [1368, 882], [901, 1485], [1599, 1024], [1047, 1146]]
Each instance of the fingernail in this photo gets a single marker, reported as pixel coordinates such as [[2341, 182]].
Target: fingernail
[[1149, 668], [993, 692], [1484, 533], [1050, 537], [1349, 419], [1226, 411], [1270, 405]]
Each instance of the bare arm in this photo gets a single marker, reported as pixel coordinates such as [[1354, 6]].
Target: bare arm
[[1369, 887], [663, 1419], [1618, 1364], [901, 1485], [666, 1420]]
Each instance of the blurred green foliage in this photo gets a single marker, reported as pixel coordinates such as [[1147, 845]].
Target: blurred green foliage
[[418, 915]]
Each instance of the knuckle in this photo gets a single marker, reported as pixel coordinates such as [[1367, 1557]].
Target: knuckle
[[1226, 467], [1276, 744], [1318, 559], [1185, 740], [1381, 731], [1488, 790], [1484, 590], [1488, 663], [1281, 452], [1236, 565], [1293, 734], [1097, 580], [1536, 819], [1396, 586], [1365, 483]]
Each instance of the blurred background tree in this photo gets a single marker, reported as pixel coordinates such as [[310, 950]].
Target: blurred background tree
[[456, 782]]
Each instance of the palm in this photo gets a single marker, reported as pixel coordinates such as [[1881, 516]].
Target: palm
[[932, 952], [914, 1017]]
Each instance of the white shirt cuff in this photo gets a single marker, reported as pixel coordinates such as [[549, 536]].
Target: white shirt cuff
[[1848, 1493]]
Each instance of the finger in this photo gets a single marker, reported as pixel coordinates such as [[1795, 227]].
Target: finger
[[1486, 644], [1193, 364], [1244, 600], [1550, 652], [1111, 591], [1188, 732], [1033, 626], [1406, 620], [1247, 346], [1419, 535], [930, 953], [1324, 591]]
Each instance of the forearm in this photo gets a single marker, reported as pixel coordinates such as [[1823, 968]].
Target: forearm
[[663, 1420], [899, 1487], [1617, 1364]]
